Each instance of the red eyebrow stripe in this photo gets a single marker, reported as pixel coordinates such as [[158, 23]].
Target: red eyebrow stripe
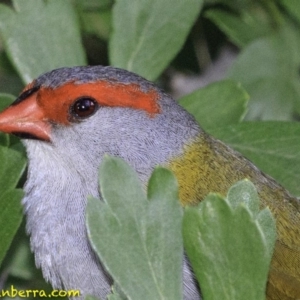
[[56, 102]]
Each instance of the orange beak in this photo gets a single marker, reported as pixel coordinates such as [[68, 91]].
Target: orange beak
[[27, 119]]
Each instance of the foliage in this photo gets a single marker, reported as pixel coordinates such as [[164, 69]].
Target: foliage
[[127, 219], [228, 264], [254, 110], [139, 240]]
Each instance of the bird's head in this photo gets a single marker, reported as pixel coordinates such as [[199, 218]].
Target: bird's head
[[80, 113], [68, 119]]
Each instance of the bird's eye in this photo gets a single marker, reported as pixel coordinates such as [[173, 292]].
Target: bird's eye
[[84, 107]]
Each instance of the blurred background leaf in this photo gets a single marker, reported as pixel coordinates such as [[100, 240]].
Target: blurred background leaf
[[141, 41], [218, 104], [273, 146], [269, 70], [40, 36]]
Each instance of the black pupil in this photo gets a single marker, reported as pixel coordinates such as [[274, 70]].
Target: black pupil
[[84, 107]]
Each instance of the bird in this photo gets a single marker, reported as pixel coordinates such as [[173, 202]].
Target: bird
[[70, 117]]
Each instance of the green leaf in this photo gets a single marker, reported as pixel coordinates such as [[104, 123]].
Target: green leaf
[[94, 5], [240, 29], [10, 82], [218, 104], [138, 240], [5, 100], [40, 36], [293, 7], [227, 246], [244, 192], [10, 217], [273, 146], [19, 260], [95, 17], [12, 167], [97, 23], [148, 34], [91, 298], [115, 295], [267, 225], [232, 4], [268, 69]]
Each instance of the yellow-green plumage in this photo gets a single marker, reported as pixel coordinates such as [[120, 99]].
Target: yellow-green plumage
[[208, 165]]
